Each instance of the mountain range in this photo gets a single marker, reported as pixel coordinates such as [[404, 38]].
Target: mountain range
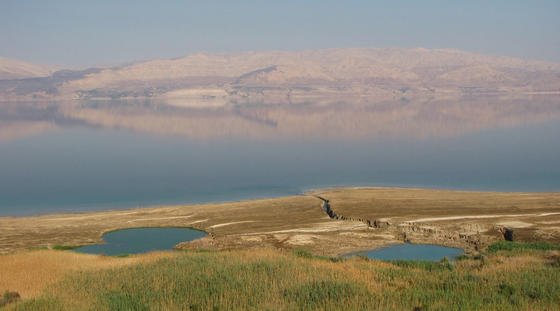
[[16, 69], [366, 74]]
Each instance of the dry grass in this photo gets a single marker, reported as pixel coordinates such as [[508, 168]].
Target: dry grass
[[267, 279], [408, 203], [29, 273]]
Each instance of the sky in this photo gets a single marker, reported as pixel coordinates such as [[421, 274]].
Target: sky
[[79, 34]]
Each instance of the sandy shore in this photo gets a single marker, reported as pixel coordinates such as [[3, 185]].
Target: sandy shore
[[368, 218]]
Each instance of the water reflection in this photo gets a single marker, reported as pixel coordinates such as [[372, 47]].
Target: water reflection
[[104, 155], [333, 121]]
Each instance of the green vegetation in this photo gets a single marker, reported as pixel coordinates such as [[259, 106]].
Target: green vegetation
[[322, 294], [63, 247], [522, 246], [303, 253], [9, 297], [426, 265], [522, 279]]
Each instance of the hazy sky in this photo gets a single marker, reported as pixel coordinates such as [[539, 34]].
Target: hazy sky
[[76, 33]]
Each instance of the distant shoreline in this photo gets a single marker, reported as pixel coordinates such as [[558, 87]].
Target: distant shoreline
[[205, 101], [305, 191]]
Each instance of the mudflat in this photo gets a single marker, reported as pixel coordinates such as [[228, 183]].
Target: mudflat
[[366, 218]]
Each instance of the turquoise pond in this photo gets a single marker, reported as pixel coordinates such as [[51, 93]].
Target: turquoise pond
[[141, 240], [409, 251]]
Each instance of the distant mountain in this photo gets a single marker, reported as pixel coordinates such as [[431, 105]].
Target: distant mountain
[[288, 77], [16, 69]]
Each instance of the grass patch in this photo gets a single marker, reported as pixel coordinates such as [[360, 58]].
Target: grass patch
[[443, 264], [115, 300], [39, 304], [64, 247], [323, 294], [510, 246], [303, 253], [463, 257], [9, 297], [274, 280]]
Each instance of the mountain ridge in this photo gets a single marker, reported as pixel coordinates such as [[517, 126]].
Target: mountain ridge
[[284, 76], [17, 69]]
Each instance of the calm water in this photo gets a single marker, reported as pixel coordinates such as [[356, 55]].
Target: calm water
[[409, 251], [83, 156], [141, 240]]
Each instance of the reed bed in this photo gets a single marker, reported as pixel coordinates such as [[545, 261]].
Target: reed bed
[[267, 279]]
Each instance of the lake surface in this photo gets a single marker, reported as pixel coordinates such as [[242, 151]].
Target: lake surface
[[141, 240], [409, 251], [82, 156]]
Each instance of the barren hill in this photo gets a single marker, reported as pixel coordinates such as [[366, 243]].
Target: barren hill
[[16, 69], [305, 76]]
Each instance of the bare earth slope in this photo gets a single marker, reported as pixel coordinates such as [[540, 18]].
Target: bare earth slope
[[306, 75], [16, 69], [367, 218]]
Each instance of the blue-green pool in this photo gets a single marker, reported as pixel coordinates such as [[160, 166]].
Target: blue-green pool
[[408, 251], [141, 240]]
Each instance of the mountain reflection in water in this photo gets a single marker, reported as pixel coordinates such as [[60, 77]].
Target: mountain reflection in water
[[332, 121], [70, 156]]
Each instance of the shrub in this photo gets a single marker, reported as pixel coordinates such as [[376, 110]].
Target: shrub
[[9, 297], [299, 252], [63, 247]]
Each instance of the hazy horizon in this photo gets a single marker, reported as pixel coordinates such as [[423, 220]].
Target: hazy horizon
[[71, 34], [225, 52]]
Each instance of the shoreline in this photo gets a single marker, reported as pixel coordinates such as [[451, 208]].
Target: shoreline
[[303, 192], [371, 217]]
